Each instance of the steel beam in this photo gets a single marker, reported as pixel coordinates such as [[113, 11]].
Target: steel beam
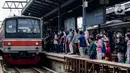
[[14, 4], [30, 11], [44, 4], [58, 1], [39, 9], [52, 2], [56, 9], [27, 5], [44, 1]]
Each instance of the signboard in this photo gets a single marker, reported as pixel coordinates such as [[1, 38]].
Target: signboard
[[69, 23], [96, 17]]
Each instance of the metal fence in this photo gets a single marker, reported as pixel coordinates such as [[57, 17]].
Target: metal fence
[[83, 65]]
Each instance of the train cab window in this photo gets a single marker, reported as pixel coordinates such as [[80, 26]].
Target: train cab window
[[28, 26], [11, 26]]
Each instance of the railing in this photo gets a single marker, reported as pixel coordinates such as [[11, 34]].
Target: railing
[[76, 64]]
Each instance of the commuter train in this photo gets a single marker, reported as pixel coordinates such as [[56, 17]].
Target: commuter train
[[21, 40]]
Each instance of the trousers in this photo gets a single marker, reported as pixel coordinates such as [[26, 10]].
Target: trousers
[[82, 51]]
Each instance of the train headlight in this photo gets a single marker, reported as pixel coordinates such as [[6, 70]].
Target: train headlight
[[37, 43], [9, 43]]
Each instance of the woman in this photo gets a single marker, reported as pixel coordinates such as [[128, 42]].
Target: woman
[[55, 42], [87, 43], [120, 47], [75, 41], [99, 46], [128, 48]]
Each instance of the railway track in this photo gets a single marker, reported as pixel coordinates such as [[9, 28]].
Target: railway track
[[22, 70], [28, 70], [4, 68]]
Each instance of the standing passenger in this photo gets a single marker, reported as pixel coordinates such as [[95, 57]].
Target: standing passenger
[[64, 41], [67, 42], [55, 42], [88, 47], [75, 41], [70, 37], [120, 47], [128, 47], [99, 47], [92, 48], [82, 44]]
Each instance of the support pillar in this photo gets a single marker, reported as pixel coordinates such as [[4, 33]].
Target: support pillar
[[84, 16], [59, 21]]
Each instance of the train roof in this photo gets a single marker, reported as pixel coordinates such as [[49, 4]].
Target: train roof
[[21, 17], [119, 24], [111, 24]]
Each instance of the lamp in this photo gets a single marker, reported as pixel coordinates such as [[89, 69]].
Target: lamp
[[85, 4]]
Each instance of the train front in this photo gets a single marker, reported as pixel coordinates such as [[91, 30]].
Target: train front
[[22, 42]]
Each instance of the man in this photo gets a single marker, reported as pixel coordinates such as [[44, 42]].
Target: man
[[75, 41], [70, 42], [82, 44]]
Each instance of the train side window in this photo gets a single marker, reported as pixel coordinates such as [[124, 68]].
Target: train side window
[[11, 26]]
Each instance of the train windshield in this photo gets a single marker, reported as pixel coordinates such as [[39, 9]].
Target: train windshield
[[22, 28], [28, 26], [11, 26]]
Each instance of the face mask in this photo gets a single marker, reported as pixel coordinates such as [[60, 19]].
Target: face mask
[[117, 35], [126, 39]]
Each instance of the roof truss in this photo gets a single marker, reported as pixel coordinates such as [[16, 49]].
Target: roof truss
[[14, 4]]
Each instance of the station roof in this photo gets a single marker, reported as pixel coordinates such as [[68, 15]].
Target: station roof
[[46, 8], [42, 7]]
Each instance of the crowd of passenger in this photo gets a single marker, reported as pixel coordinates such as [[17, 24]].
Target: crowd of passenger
[[95, 47]]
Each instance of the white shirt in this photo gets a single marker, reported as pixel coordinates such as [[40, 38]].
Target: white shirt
[[55, 39], [70, 36]]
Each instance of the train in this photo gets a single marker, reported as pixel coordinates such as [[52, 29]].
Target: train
[[21, 40]]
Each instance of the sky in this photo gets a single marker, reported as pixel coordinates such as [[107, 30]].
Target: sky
[[7, 12]]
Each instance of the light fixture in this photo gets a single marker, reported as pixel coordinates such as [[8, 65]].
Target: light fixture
[[85, 4], [9, 43], [37, 43]]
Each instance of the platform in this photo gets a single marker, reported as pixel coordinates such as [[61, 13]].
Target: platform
[[1, 69], [58, 56], [77, 64]]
